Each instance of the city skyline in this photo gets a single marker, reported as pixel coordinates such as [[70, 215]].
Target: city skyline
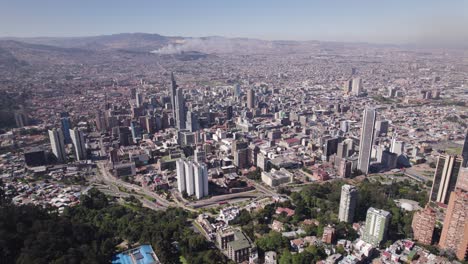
[[421, 23]]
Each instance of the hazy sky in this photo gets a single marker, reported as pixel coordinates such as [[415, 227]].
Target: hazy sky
[[382, 21]]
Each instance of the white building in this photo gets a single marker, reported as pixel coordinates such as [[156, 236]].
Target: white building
[[277, 177], [192, 177], [57, 142], [77, 137], [347, 203]]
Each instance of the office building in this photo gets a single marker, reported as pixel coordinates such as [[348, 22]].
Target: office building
[[397, 147], [423, 225], [65, 125], [139, 99], [241, 158], [381, 127], [445, 178], [192, 123], [229, 112], [277, 177], [367, 138], [251, 98], [348, 201], [79, 144], [200, 155], [180, 109], [57, 143], [348, 86], [173, 94], [34, 157], [357, 86], [377, 222], [236, 90]]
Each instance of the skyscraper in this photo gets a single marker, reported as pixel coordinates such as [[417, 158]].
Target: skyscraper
[[445, 178], [251, 98], [79, 146], [367, 138], [192, 123], [357, 86], [58, 144], [66, 126], [347, 203], [377, 221], [180, 109], [465, 151], [139, 99], [173, 93]]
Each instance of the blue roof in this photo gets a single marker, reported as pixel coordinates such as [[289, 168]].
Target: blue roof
[[143, 254]]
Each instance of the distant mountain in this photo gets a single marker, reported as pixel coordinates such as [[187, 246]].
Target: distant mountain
[[21, 53], [139, 42]]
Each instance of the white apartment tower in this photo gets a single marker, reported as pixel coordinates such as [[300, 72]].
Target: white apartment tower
[[347, 203], [79, 146], [57, 142]]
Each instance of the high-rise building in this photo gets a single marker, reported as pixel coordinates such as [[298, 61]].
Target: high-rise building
[[397, 147], [377, 222], [348, 200], [381, 127], [229, 112], [200, 155], [201, 180], [21, 118], [189, 177], [57, 143], [465, 151], [236, 90], [139, 99], [192, 123], [79, 146], [241, 158], [192, 177], [454, 236], [367, 138], [445, 178], [66, 126], [173, 94], [180, 169], [357, 86], [180, 109], [348, 86], [423, 225], [251, 98]]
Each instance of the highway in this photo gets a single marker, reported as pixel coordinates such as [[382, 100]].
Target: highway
[[140, 192]]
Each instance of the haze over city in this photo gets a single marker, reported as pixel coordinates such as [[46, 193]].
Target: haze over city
[[253, 132], [429, 23]]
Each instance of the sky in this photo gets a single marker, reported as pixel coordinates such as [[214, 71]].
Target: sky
[[374, 21]]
